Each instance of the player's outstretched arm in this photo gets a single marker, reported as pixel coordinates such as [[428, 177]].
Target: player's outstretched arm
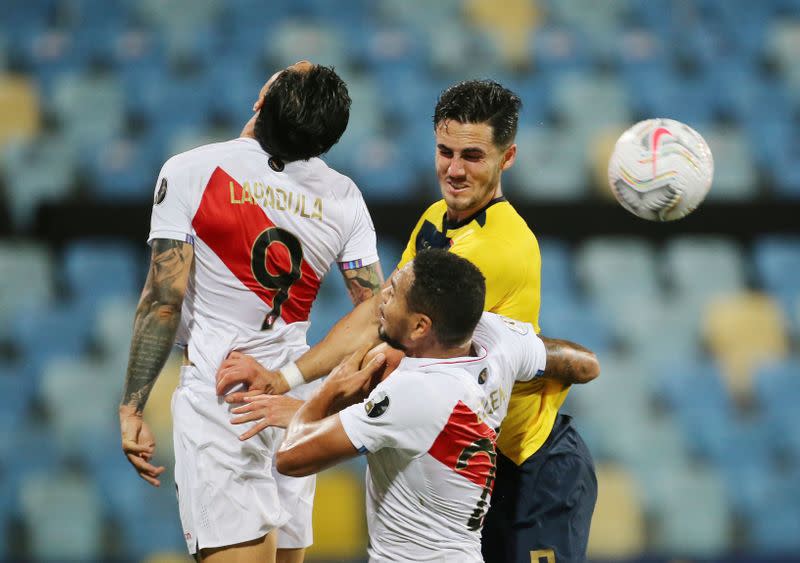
[[315, 438], [155, 324], [568, 362], [357, 329]]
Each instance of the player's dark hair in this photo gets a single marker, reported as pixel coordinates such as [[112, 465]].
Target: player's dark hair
[[481, 101], [304, 113], [451, 291]]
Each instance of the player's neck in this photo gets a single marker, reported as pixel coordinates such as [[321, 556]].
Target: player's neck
[[455, 216]]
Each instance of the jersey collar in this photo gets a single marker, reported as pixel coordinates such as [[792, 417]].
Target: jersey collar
[[479, 216]]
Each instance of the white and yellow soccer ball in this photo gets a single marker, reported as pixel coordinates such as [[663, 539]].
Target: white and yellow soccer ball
[[661, 169]]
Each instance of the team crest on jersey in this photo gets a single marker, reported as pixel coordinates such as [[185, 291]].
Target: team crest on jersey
[[378, 405], [162, 192], [521, 328]]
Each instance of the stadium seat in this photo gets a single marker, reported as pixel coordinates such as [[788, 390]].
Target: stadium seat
[[611, 269], [96, 270], [339, 527], [63, 518], [20, 115], [36, 171], [295, 40], [685, 258], [557, 277], [26, 278], [656, 331], [694, 519], [579, 321], [618, 526], [743, 331], [776, 389], [777, 265], [576, 97], [123, 169], [775, 519], [553, 168], [78, 395], [40, 333], [113, 329], [509, 28], [695, 393], [735, 174]]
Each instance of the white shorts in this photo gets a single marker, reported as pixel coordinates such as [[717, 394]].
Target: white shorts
[[227, 493], [297, 494]]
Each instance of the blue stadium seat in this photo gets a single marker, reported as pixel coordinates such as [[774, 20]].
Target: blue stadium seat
[[777, 393], [557, 49], [774, 521], [685, 257], [17, 391], [62, 515], [696, 394], [41, 333], [123, 169], [777, 264], [558, 280], [38, 171], [577, 321], [28, 451], [693, 518], [735, 172], [97, 270], [26, 278]]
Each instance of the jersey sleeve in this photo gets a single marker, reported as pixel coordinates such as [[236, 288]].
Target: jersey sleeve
[[394, 417], [171, 217], [360, 245], [525, 350]]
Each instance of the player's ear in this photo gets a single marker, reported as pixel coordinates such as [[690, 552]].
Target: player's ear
[[421, 327], [509, 156]]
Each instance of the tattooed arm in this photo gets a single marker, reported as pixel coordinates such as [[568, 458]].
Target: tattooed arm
[[363, 283], [568, 362], [154, 328]]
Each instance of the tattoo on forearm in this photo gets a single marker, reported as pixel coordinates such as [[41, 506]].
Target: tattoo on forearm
[[569, 362], [363, 283], [157, 318]]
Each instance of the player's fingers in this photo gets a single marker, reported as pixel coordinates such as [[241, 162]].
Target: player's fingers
[[152, 480], [248, 417], [254, 430], [252, 396], [132, 447], [376, 363], [237, 397], [143, 466], [235, 355]]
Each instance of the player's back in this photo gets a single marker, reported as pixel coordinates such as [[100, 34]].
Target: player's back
[[264, 235]]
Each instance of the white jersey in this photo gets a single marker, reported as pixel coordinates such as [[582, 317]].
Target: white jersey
[[263, 239], [430, 444]]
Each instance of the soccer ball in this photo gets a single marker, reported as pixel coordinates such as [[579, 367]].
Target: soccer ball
[[660, 170]]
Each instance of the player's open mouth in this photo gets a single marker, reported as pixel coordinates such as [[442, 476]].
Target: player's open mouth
[[456, 189]]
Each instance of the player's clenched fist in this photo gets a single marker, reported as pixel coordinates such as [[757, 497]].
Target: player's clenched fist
[[138, 444], [240, 368]]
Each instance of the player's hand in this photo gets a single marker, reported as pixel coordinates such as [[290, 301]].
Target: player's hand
[[349, 382], [240, 368], [138, 444], [267, 410], [393, 359]]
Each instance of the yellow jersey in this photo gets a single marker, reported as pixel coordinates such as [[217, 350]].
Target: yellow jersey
[[499, 242]]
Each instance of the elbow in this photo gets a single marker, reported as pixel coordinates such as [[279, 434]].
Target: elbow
[[287, 464], [590, 368]]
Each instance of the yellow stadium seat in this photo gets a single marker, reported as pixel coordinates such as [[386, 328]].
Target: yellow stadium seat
[[618, 527], [602, 145], [169, 557], [19, 109], [509, 27], [744, 330], [340, 528]]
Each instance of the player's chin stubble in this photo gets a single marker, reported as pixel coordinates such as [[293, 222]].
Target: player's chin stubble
[[389, 340]]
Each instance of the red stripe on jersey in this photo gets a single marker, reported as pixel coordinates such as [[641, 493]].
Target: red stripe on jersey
[[231, 226], [467, 446]]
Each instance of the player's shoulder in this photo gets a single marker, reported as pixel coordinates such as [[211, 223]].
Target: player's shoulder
[[340, 185], [499, 326], [204, 157], [504, 218], [435, 211]]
